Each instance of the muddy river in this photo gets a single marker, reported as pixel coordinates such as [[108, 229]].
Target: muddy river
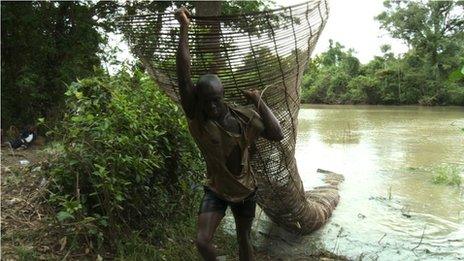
[[394, 205]]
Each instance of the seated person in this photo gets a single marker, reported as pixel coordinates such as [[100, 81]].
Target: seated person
[[25, 139]]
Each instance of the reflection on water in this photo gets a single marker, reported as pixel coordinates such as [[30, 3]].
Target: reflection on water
[[389, 205]]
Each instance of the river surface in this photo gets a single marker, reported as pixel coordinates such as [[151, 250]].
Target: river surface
[[390, 208]]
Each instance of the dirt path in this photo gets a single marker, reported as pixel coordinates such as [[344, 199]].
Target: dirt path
[[11, 158], [24, 216]]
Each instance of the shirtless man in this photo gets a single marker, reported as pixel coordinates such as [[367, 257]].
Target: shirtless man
[[224, 135]]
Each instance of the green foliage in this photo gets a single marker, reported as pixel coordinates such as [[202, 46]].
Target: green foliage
[[26, 254], [45, 45], [128, 161], [179, 244], [328, 76], [456, 75], [363, 89], [428, 74], [448, 175], [178, 240], [433, 28], [456, 93]]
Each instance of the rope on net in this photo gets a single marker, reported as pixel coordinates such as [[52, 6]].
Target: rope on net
[[266, 50]]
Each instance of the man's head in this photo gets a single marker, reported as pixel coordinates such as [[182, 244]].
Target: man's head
[[210, 95]]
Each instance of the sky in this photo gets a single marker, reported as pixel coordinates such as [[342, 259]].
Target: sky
[[351, 22]]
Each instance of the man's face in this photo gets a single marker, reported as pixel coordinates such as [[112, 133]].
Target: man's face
[[211, 95], [213, 105]]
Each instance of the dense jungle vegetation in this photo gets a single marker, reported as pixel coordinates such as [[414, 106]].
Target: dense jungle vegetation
[[430, 73]]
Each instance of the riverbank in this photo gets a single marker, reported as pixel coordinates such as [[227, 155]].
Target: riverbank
[[31, 231]]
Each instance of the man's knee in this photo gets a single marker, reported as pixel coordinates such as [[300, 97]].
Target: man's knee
[[203, 241]]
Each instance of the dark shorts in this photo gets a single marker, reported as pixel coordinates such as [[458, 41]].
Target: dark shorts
[[212, 203]]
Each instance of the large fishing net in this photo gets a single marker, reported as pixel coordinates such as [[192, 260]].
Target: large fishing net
[[268, 51]]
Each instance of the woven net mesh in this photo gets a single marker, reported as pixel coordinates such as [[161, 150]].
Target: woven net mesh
[[268, 51]]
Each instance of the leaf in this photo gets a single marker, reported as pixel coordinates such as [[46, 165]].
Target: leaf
[[63, 242], [78, 95], [462, 70], [103, 222], [63, 215], [456, 75], [119, 197]]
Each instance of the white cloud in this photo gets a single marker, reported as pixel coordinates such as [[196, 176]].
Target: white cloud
[[352, 23]]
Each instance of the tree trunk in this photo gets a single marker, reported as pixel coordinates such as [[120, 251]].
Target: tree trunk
[[210, 46]]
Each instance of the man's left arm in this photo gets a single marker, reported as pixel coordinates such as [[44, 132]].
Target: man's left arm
[[272, 129]]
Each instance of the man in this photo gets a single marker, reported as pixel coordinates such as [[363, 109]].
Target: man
[[224, 135]]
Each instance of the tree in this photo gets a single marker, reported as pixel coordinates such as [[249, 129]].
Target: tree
[[427, 74], [45, 45], [433, 29], [329, 74], [434, 32]]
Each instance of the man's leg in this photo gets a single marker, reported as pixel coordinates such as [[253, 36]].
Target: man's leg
[[212, 210], [207, 225], [244, 215]]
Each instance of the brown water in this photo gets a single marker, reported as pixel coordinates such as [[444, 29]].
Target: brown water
[[389, 156]]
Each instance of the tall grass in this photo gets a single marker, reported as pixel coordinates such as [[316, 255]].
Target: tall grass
[[447, 174]]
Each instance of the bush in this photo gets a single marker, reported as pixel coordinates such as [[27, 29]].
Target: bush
[[45, 45], [448, 175], [314, 90], [456, 93], [363, 89], [338, 84], [128, 161]]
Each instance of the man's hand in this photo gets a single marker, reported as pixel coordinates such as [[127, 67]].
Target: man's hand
[[272, 130], [182, 15], [252, 96], [183, 60]]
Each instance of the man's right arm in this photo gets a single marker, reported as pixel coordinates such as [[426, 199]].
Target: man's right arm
[[187, 95]]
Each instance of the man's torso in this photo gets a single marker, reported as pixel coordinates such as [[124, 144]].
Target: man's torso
[[225, 147]]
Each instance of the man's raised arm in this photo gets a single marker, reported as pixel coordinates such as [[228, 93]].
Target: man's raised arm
[[187, 95]]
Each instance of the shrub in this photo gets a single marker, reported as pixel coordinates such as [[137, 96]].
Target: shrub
[[128, 161], [456, 93], [338, 84], [363, 89], [314, 90], [448, 175]]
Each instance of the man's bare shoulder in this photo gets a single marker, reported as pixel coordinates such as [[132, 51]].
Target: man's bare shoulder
[[249, 115]]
